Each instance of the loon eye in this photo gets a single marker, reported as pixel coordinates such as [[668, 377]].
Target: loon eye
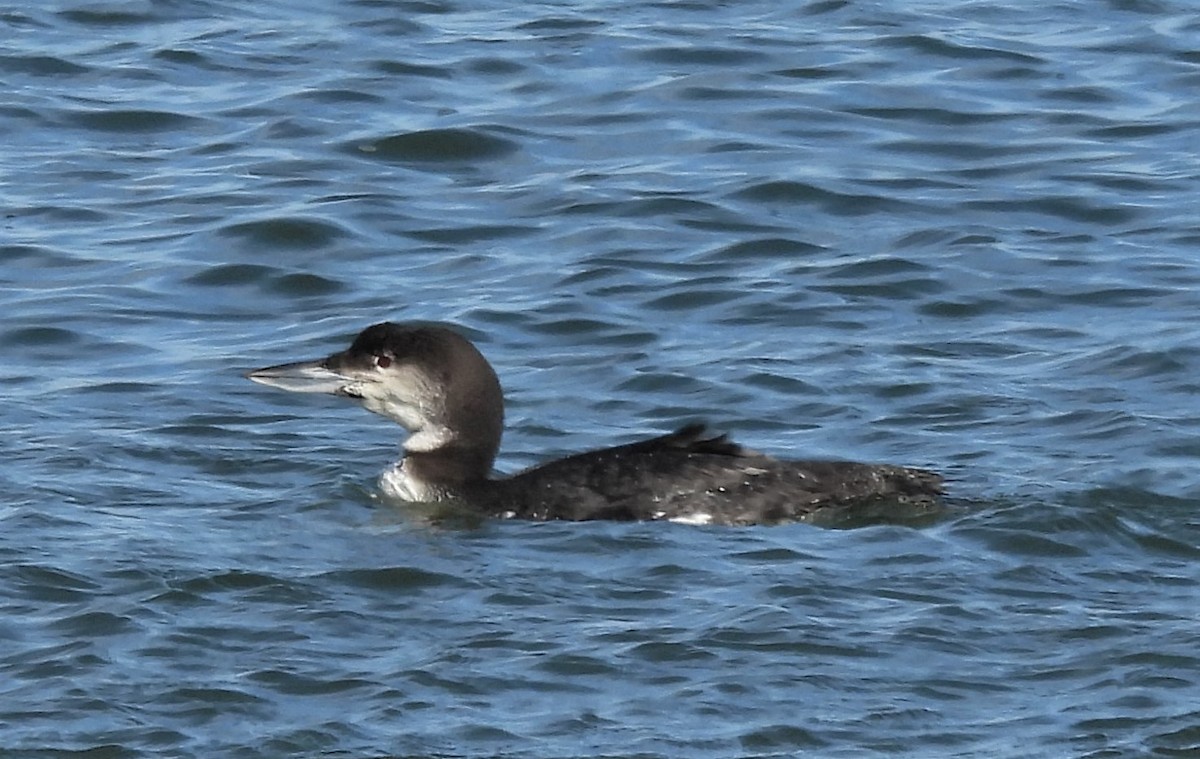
[[383, 362]]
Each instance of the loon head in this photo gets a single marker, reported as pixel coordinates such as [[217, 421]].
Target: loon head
[[429, 379]]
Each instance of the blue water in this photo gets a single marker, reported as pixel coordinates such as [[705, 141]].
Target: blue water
[[959, 235]]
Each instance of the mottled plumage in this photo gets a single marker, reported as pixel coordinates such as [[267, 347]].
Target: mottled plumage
[[689, 476]]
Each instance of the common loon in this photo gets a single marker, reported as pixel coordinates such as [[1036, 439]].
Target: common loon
[[438, 386]]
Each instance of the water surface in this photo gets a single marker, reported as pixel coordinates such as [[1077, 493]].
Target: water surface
[[959, 235]]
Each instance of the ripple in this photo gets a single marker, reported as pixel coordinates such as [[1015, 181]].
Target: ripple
[[404, 68], [232, 274], [938, 116], [125, 121], [306, 285], [693, 298], [41, 337], [287, 232], [94, 623], [52, 584], [575, 666], [781, 248], [706, 56], [397, 578], [106, 18], [801, 193], [942, 48], [292, 684], [37, 257], [436, 146], [781, 737], [41, 65], [1067, 208], [341, 95], [468, 234]]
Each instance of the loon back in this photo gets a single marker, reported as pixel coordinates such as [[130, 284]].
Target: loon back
[[695, 477]]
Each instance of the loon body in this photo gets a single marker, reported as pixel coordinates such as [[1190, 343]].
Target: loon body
[[438, 386]]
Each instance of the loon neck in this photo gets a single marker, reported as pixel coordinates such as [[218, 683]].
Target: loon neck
[[450, 464], [433, 475]]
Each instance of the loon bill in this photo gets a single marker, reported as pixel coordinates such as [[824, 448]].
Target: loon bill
[[438, 386]]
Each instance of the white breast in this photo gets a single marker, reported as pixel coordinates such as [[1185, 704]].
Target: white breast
[[395, 482]]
